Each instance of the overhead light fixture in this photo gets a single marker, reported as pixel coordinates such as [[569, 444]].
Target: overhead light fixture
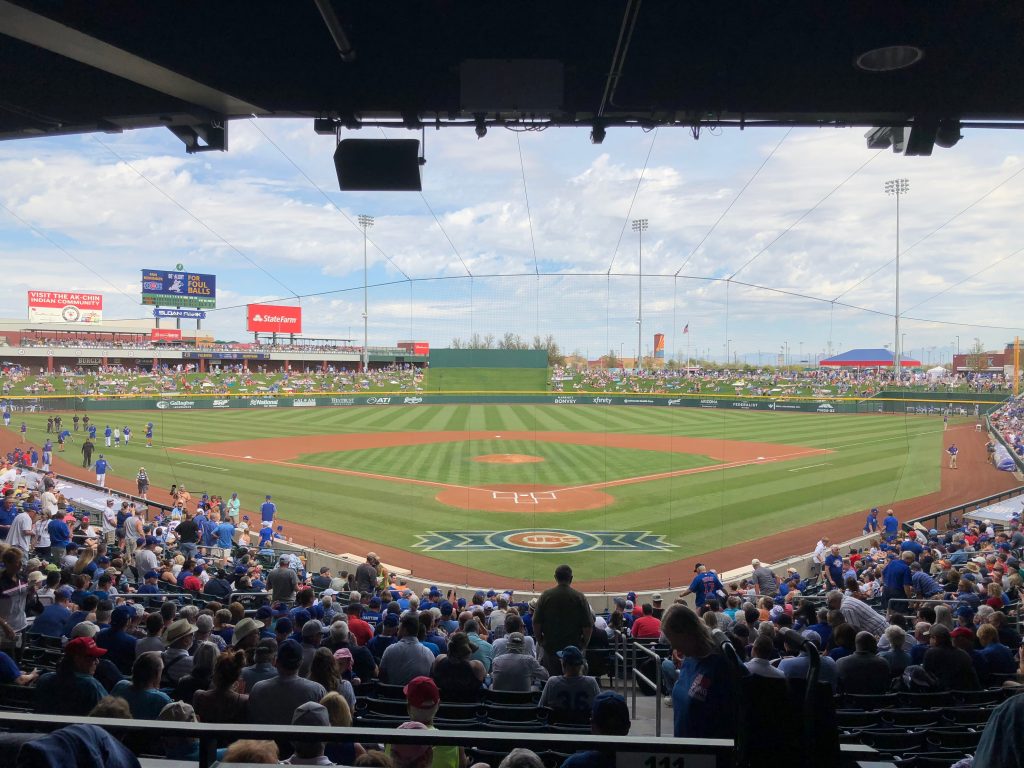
[[597, 134], [889, 58], [481, 127], [921, 140], [325, 126]]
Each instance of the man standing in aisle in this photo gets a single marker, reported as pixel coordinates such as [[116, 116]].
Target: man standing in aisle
[[102, 465], [562, 618]]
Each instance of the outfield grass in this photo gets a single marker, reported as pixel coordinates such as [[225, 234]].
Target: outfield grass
[[485, 380], [876, 461]]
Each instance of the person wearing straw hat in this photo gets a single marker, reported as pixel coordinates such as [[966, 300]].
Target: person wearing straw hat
[[177, 662]]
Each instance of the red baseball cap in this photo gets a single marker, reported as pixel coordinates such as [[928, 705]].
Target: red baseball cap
[[84, 646], [421, 692], [961, 632]]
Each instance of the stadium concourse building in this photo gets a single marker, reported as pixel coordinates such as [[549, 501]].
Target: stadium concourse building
[[51, 347], [868, 358]]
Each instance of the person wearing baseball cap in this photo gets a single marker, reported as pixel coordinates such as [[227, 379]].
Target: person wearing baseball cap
[[571, 694], [951, 665], [73, 689], [423, 698], [412, 755]]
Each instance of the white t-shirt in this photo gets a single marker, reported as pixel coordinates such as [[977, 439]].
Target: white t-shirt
[[109, 519], [49, 500], [20, 535]]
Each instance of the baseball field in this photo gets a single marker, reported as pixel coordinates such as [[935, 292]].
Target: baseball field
[[508, 490]]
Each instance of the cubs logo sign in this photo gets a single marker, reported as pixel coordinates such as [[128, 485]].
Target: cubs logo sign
[[540, 540]]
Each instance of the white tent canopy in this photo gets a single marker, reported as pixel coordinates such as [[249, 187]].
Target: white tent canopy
[[937, 372]]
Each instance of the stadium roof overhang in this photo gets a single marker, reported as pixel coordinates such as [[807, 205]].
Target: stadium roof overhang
[[115, 65], [871, 363]]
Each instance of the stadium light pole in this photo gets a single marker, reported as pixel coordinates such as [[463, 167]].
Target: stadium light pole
[[897, 188], [639, 226], [365, 222]]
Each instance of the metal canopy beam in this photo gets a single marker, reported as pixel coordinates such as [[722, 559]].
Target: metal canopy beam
[[38, 30]]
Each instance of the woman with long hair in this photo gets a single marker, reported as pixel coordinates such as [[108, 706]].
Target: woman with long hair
[[324, 669], [458, 677], [221, 703], [201, 676], [705, 687]]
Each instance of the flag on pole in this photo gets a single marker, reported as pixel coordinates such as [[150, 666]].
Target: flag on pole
[[686, 328]]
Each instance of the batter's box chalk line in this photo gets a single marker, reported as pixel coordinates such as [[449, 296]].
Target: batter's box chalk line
[[524, 498]]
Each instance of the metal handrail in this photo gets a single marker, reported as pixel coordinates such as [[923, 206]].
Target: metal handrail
[[656, 683]]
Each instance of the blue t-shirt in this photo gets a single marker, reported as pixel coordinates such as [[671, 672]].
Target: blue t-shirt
[[145, 705], [704, 587], [51, 621], [225, 534], [266, 536], [101, 466], [897, 575], [912, 546], [60, 534], [703, 699], [891, 525], [9, 671], [834, 563], [267, 510], [871, 524]]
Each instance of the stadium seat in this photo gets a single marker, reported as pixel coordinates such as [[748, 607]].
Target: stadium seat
[[569, 728], [456, 724], [42, 641], [389, 691], [515, 714], [364, 690], [967, 715], [858, 718], [907, 718], [527, 698], [924, 700], [16, 698], [869, 700], [386, 708], [961, 739], [535, 726], [453, 711], [898, 742], [974, 698], [374, 721]]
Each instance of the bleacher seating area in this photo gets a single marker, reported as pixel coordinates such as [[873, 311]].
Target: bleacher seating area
[[974, 582]]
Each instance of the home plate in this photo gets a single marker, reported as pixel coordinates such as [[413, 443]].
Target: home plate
[[760, 458], [247, 457]]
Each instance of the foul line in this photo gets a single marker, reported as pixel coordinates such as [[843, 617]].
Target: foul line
[[335, 470], [695, 470], [810, 466]]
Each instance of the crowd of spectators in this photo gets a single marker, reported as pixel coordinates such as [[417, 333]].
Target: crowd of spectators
[[195, 616], [1007, 422]]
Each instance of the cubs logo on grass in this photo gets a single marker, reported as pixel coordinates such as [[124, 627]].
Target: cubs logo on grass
[[540, 540]]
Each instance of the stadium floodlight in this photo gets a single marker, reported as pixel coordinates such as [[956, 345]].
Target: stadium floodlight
[[640, 226], [597, 133], [365, 222], [897, 188]]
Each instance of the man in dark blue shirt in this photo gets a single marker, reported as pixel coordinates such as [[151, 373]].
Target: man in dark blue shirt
[[912, 545], [891, 525], [834, 567], [704, 585], [871, 523], [120, 646], [924, 585], [50, 623], [898, 580], [267, 510]]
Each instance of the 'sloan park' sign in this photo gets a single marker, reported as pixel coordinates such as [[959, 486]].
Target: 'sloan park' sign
[[555, 540]]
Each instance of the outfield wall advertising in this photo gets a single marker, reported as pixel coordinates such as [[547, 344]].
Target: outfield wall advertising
[[189, 403]]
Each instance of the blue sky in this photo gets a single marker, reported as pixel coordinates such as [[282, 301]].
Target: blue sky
[[88, 195]]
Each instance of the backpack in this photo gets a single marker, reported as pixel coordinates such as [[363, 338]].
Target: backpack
[[917, 679]]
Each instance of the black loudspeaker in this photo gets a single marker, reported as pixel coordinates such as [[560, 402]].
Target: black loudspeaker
[[378, 165]]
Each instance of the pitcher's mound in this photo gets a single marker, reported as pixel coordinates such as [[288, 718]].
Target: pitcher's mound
[[507, 458], [525, 499]]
